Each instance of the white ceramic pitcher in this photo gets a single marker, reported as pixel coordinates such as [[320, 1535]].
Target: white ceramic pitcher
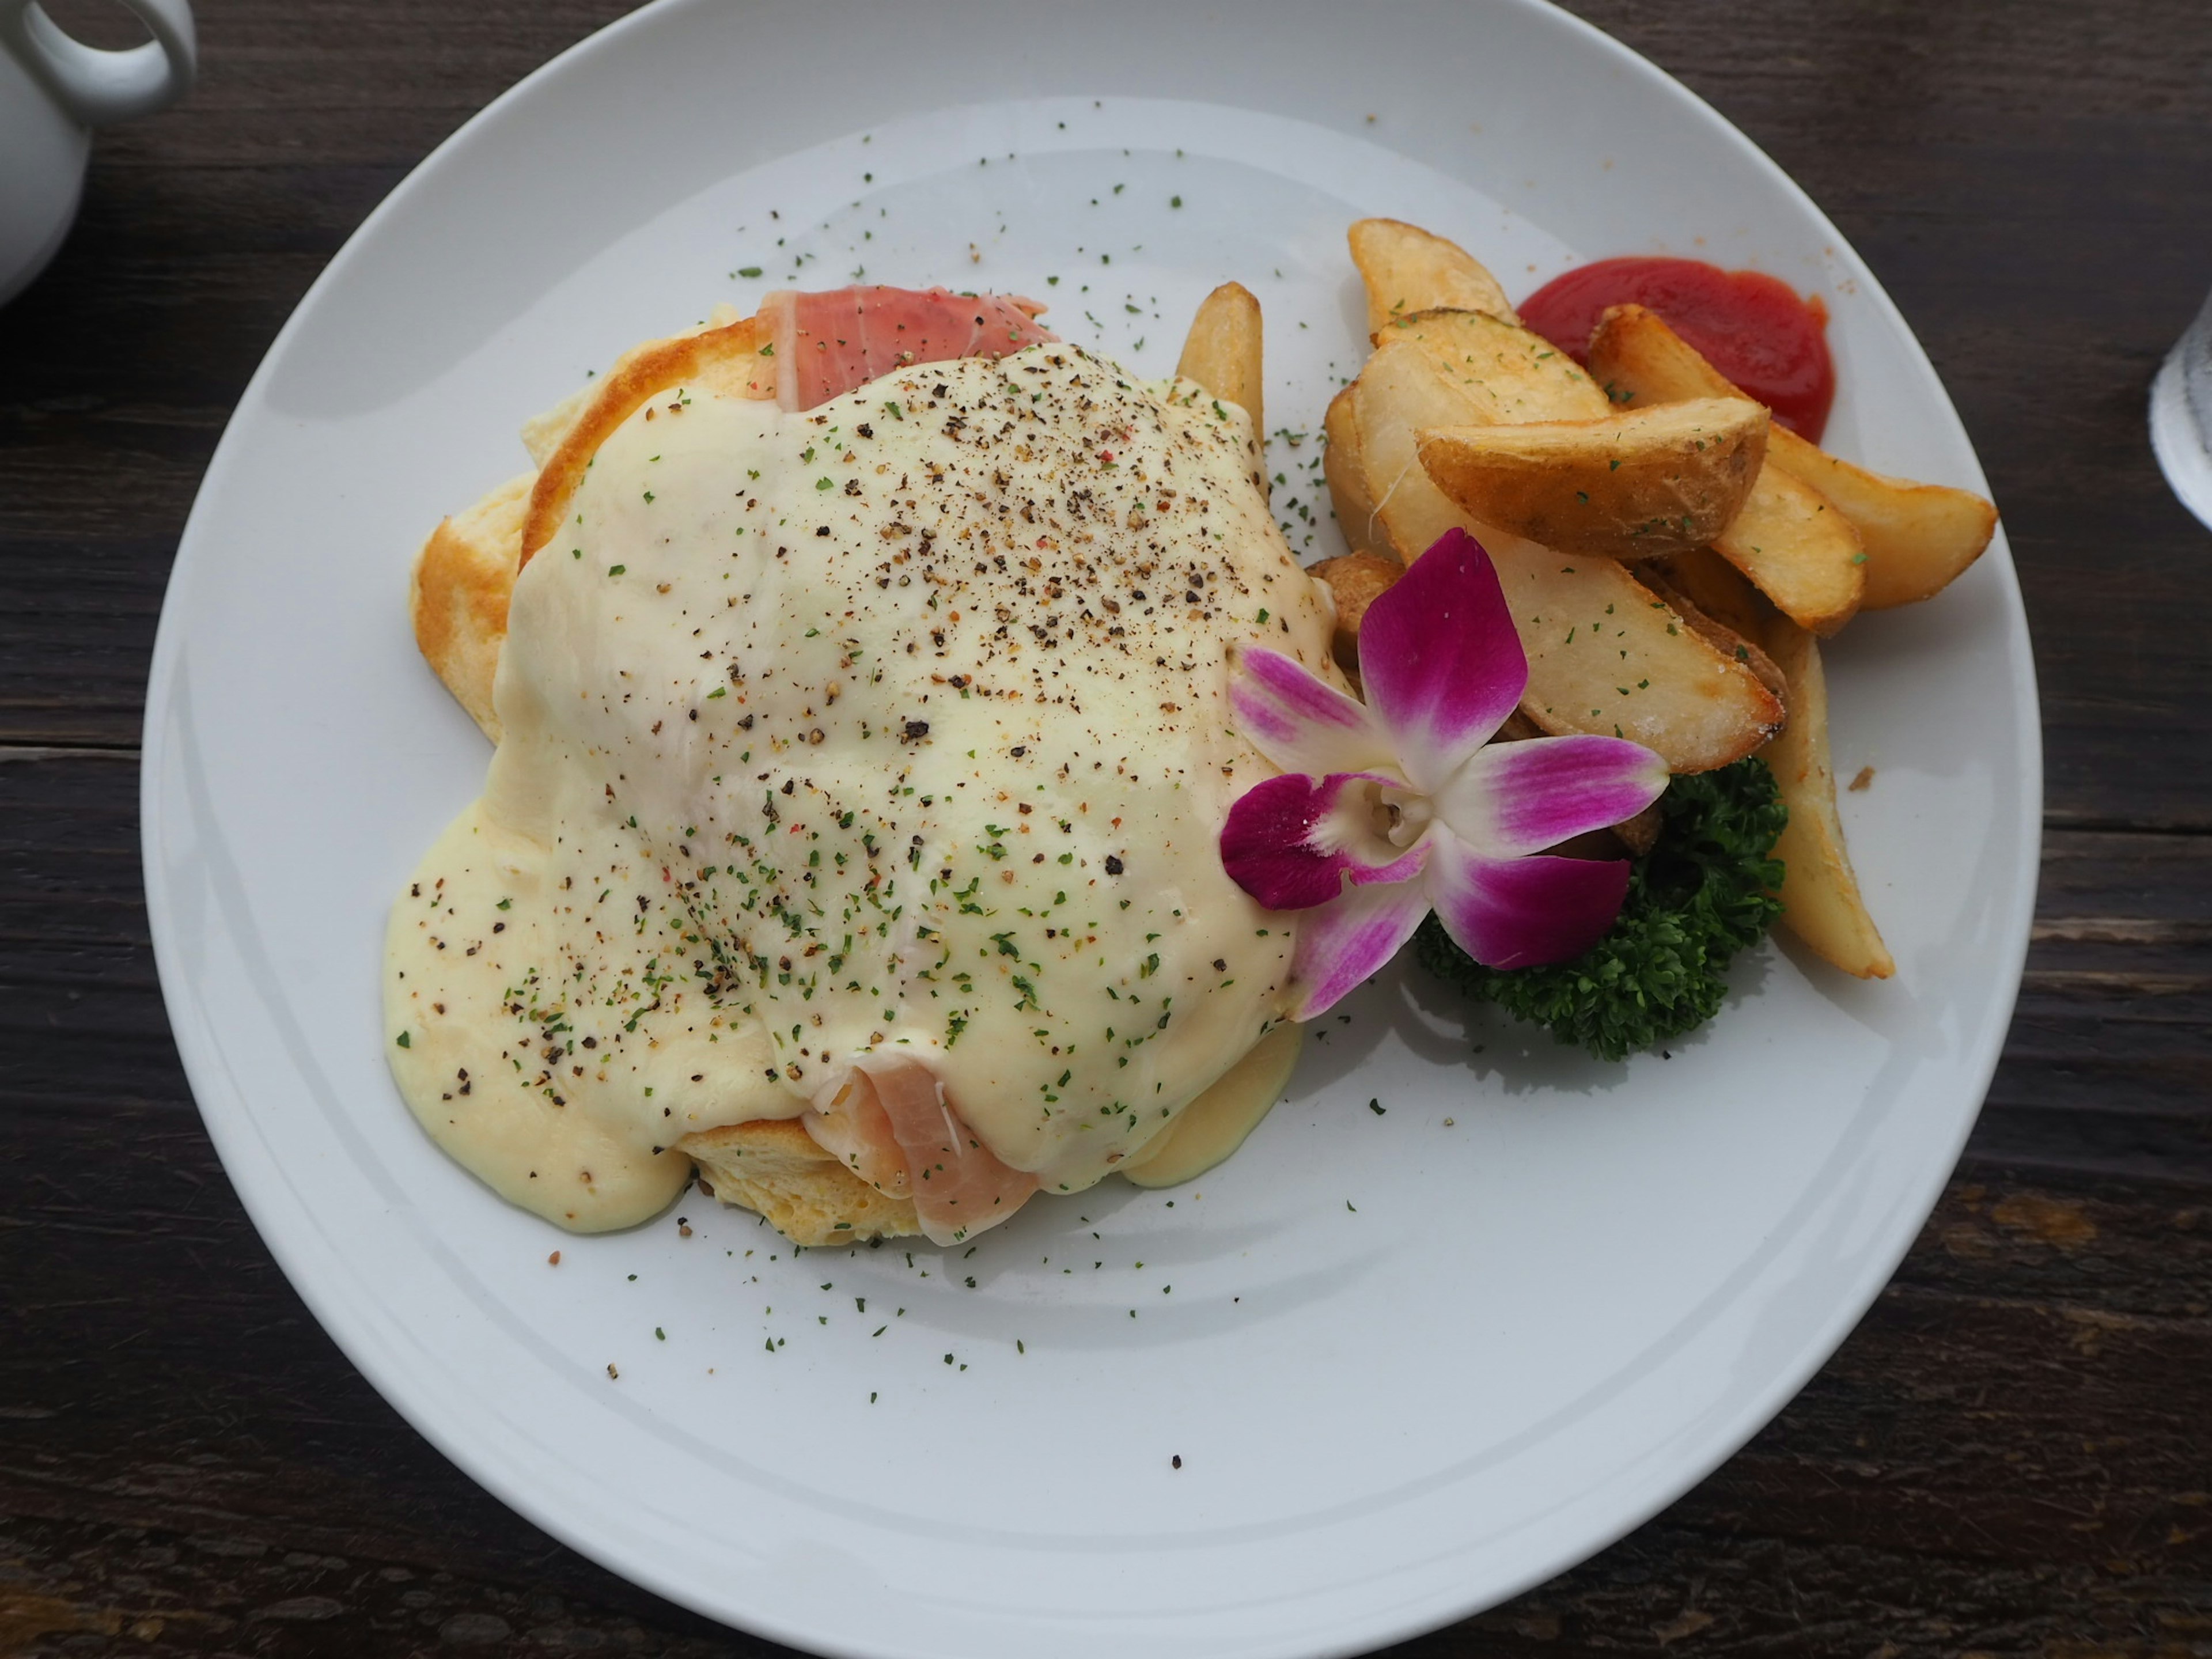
[[54, 89]]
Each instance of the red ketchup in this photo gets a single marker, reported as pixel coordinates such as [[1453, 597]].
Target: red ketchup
[[1750, 327]]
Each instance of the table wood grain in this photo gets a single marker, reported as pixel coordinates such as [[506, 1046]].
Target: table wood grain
[[2013, 1455]]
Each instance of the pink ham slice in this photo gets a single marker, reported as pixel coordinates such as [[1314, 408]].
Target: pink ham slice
[[890, 1125], [828, 344]]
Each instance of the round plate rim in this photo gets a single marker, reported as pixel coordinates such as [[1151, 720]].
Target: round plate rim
[[219, 1105]]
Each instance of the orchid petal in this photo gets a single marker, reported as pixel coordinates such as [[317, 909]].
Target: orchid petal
[[1524, 912], [1515, 798], [1301, 722], [1347, 939], [1291, 841], [1439, 659]]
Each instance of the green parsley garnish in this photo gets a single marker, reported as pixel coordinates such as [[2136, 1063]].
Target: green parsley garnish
[[1705, 891]]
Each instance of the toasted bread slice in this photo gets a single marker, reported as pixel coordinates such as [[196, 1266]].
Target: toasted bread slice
[[729, 359], [459, 593], [465, 574], [773, 1167]]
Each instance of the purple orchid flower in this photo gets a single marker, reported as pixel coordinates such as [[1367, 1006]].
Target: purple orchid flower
[[1389, 809]]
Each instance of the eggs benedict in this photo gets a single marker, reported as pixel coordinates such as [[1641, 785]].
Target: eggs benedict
[[859, 676]]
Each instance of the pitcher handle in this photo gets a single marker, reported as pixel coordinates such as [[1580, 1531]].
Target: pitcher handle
[[97, 86]]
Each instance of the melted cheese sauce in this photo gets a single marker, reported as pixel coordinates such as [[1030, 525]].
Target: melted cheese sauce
[[1222, 1119], [898, 726]]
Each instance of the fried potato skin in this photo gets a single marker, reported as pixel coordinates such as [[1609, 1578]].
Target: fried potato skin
[[1344, 472], [1639, 361], [1224, 352], [1797, 549], [1801, 552], [1406, 269], [1918, 539], [1355, 580], [1821, 898], [1631, 486], [1605, 655], [1660, 577]]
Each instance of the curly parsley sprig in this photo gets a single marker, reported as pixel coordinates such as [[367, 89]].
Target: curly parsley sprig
[[1705, 891]]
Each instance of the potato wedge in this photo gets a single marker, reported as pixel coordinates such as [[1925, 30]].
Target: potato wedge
[[1820, 901], [1637, 485], [1820, 897], [1408, 269], [1354, 581], [1803, 554], [1604, 654], [1917, 537], [1658, 575], [1341, 467], [1638, 361], [1721, 591], [1222, 353], [1797, 549], [1513, 374]]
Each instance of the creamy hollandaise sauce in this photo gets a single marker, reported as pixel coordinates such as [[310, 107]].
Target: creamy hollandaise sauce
[[893, 728]]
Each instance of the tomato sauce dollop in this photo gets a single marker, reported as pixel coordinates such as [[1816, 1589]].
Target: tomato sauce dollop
[[1752, 327]]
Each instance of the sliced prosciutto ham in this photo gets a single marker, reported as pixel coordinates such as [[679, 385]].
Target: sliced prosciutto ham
[[890, 1124], [826, 344]]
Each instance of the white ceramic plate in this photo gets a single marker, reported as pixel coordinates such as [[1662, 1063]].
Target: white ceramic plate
[[1411, 1363]]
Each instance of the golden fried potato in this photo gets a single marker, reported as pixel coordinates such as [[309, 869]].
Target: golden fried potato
[[1639, 361], [1510, 374], [1341, 467], [1795, 547], [1639, 834], [1819, 892], [1658, 576], [1355, 582], [1638, 485], [1820, 901], [1916, 538], [1222, 353], [1604, 654], [1801, 553], [1406, 269]]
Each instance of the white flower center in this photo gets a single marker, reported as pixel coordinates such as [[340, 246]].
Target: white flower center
[[1402, 816]]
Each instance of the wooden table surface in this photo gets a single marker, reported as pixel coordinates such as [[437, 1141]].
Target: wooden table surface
[[2013, 1455]]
